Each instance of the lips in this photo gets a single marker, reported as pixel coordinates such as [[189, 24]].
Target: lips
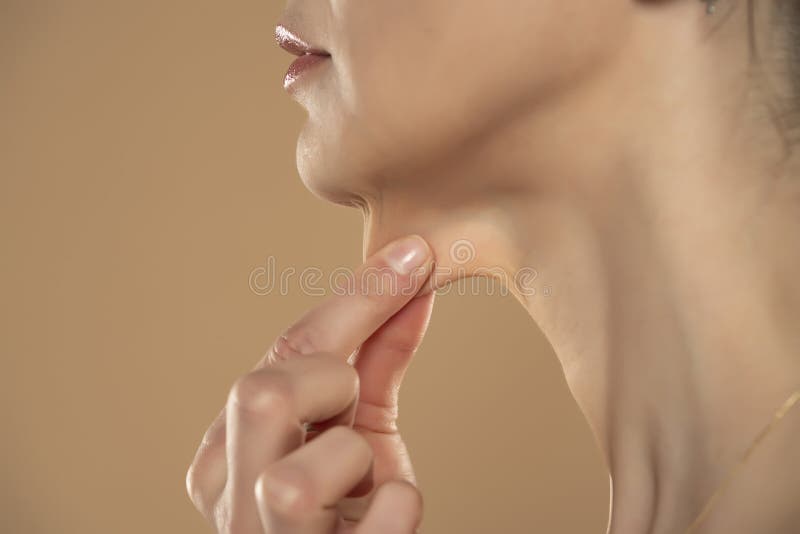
[[294, 44], [307, 55]]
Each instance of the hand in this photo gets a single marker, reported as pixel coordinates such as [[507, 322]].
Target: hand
[[260, 470]]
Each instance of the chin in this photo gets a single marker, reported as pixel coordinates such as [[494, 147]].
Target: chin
[[343, 169], [323, 170]]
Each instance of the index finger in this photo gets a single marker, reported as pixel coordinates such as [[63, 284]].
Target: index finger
[[378, 289]]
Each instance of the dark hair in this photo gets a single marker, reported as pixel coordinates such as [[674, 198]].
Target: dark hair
[[786, 16], [785, 103]]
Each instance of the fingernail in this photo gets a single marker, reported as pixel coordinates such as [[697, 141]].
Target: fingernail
[[407, 254]]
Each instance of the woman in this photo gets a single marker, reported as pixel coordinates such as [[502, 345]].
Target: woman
[[638, 155]]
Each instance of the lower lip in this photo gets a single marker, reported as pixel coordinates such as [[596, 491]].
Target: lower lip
[[301, 66]]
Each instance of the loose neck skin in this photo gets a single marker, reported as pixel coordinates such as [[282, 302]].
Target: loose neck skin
[[651, 203]]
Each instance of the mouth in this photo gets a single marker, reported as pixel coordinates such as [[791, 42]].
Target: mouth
[[308, 55]]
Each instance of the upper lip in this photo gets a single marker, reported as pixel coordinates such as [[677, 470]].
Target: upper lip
[[294, 44]]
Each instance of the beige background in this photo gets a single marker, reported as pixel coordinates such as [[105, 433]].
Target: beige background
[[146, 168]]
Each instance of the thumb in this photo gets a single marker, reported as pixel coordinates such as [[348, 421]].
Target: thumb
[[383, 358]]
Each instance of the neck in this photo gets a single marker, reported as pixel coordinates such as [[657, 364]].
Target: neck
[[665, 278]]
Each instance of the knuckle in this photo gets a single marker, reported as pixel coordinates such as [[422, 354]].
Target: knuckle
[[296, 341], [401, 344], [194, 488], [262, 393], [203, 477], [284, 493], [377, 418]]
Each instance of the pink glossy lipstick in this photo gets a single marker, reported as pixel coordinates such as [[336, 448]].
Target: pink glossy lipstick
[[308, 56]]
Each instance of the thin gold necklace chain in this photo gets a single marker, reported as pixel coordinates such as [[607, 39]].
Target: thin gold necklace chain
[[782, 411]]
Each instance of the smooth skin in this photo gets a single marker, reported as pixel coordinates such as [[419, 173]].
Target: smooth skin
[[340, 366], [637, 156]]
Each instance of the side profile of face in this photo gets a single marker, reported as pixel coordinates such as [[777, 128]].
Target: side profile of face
[[409, 83]]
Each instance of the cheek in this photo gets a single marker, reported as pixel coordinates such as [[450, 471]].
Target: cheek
[[436, 72], [420, 86]]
